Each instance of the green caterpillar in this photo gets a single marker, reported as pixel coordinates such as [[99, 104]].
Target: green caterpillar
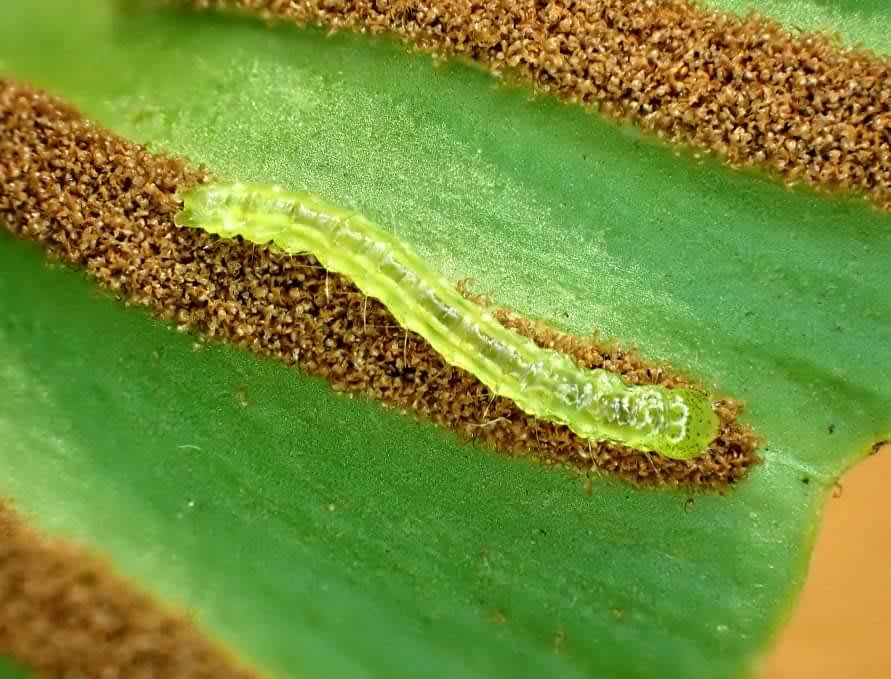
[[595, 404]]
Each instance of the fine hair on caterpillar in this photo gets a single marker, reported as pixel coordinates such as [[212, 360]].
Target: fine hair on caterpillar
[[596, 404]]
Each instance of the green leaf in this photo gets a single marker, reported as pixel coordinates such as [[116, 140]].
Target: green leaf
[[323, 536], [857, 22], [10, 670]]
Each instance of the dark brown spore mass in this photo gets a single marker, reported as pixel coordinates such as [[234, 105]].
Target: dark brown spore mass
[[63, 613], [795, 104], [102, 203]]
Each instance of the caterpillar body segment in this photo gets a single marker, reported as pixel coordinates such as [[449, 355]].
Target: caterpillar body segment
[[595, 404]]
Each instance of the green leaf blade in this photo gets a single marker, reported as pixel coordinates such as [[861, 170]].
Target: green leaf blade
[[771, 295]]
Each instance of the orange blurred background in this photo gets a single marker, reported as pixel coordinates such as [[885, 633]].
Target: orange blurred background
[[842, 627]]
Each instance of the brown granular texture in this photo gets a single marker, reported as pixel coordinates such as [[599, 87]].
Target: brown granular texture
[[64, 613], [107, 205], [797, 105]]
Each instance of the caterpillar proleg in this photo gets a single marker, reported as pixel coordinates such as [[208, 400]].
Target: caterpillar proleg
[[595, 404]]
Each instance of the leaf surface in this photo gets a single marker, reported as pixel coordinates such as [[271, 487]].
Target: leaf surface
[[324, 536], [857, 22]]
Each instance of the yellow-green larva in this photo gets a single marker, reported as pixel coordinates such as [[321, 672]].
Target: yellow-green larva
[[595, 404]]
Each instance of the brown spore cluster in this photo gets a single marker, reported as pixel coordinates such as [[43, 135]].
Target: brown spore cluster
[[64, 613], [799, 106], [107, 205]]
